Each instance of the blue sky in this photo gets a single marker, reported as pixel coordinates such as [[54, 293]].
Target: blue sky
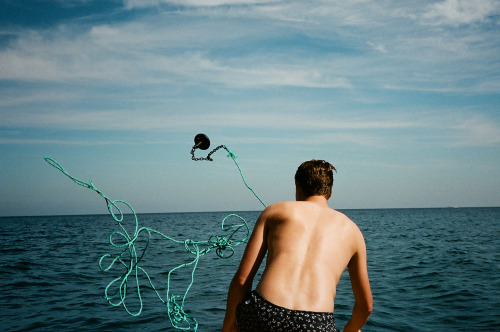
[[401, 96]]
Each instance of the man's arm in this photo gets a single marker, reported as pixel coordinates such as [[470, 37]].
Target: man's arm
[[363, 301], [241, 284]]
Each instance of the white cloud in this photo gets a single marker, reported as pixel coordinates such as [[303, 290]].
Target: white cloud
[[459, 12], [377, 47], [29, 141], [130, 4], [477, 130], [132, 55], [131, 119]]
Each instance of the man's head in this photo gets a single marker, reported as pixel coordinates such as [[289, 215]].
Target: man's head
[[315, 178]]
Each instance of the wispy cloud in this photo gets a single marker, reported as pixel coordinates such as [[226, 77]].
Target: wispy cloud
[[454, 129], [48, 142], [378, 47], [133, 120], [130, 4], [460, 12], [106, 54], [477, 130]]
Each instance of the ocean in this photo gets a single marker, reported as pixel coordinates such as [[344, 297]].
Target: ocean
[[430, 270]]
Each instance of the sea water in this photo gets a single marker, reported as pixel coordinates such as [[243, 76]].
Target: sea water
[[430, 270]]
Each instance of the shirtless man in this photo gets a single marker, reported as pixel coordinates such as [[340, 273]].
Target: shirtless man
[[308, 247]]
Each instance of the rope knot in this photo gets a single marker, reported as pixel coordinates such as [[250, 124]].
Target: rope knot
[[176, 313], [222, 243]]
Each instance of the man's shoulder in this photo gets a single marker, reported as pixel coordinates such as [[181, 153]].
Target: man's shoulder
[[344, 218], [282, 203], [283, 211], [280, 208], [344, 222]]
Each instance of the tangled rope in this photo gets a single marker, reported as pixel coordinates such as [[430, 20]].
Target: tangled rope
[[129, 257]]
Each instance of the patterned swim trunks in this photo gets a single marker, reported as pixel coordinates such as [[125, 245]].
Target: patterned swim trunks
[[256, 314]]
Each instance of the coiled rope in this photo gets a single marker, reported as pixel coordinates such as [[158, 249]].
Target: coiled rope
[[130, 258]]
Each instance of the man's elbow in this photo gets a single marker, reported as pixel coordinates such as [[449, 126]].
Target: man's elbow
[[369, 304], [365, 307], [368, 307], [240, 280]]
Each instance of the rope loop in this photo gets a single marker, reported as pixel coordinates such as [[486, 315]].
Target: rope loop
[[178, 318], [222, 244], [176, 313]]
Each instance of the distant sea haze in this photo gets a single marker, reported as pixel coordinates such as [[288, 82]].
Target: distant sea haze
[[430, 270]]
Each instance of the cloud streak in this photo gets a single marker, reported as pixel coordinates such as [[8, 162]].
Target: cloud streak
[[461, 12], [453, 130], [83, 58]]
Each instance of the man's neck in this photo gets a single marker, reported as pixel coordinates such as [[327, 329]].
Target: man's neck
[[317, 199]]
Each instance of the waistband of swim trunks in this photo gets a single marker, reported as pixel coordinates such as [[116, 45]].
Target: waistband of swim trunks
[[260, 297]]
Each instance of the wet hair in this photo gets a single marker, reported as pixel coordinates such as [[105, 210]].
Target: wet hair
[[315, 178]]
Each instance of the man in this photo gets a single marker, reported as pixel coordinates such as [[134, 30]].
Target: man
[[308, 247]]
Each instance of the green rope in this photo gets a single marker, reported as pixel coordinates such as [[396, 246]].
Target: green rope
[[129, 257], [233, 156]]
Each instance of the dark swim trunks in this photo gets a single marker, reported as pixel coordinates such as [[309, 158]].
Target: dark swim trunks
[[256, 314]]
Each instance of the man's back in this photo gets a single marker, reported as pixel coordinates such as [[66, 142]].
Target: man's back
[[309, 246]]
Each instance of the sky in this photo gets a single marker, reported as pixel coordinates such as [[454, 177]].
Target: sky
[[402, 97]]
